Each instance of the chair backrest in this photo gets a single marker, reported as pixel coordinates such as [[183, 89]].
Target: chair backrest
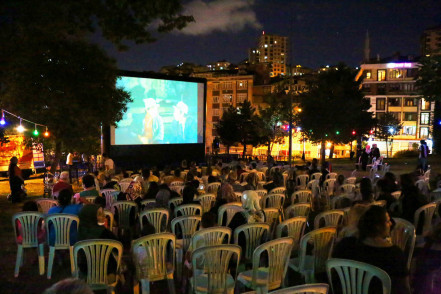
[[316, 176], [347, 188], [230, 209], [328, 186], [124, 185], [261, 192], [314, 187], [178, 189], [45, 204], [331, 176], [260, 176], [301, 196], [159, 253], [90, 199], [238, 196], [350, 180], [110, 195], [176, 183], [273, 200], [294, 228], [304, 289], [255, 234], [396, 194], [243, 176], [110, 217], [336, 200], [61, 223], [278, 252], [272, 216], [124, 208], [210, 237], [157, 217], [174, 202], [216, 263], [322, 241], [213, 187], [299, 209], [381, 203], [301, 181], [332, 218], [97, 254], [30, 223], [355, 276], [148, 204], [422, 186], [187, 226], [188, 209], [207, 202], [278, 190], [403, 235], [429, 210]]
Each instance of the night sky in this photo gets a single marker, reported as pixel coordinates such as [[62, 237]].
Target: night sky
[[321, 31]]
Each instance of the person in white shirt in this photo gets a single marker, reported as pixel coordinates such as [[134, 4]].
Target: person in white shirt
[[69, 162], [108, 163]]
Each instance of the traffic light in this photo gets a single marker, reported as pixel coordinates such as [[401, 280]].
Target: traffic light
[[354, 132]]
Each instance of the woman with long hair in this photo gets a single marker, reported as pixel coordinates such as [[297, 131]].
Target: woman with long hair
[[15, 181]]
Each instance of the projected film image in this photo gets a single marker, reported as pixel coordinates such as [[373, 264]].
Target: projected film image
[[162, 112]]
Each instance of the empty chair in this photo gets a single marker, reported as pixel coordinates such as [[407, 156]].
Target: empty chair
[[61, 224], [301, 196], [254, 234], [216, 277], [278, 190], [126, 214], [328, 187], [230, 209], [429, 210], [210, 237], [314, 187], [301, 182], [157, 217], [356, 276], [188, 209], [174, 202], [152, 256], [272, 276], [331, 176], [299, 209], [110, 195], [273, 201], [206, 201], [347, 189], [243, 176], [308, 265], [212, 188], [294, 228], [403, 235], [45, 204], [331, 218], [97, 254], [272, 217], [316, 176], [304, 289], [26, 227], [350, 180]]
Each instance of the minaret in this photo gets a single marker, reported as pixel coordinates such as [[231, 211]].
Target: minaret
[[367, 49]]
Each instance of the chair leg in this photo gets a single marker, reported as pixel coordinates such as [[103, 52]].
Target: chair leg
[[50, 261], [179, 258], [72, 267], [41, 258], [171, 284], [145, 286], [19, 260]]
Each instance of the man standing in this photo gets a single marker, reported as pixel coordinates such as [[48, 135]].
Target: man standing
[[108, 163], [423, 153], [69, 162], [375, 152]]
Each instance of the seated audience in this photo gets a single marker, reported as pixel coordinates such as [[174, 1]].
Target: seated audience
[[366, 192], [411, 198], [63, 183], [189, 194], [351, 228], [384, 193], [89, 189], [277, 181], [252, 182], [252, 212]]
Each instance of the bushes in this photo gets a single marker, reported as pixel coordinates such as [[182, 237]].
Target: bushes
[[406, 154]]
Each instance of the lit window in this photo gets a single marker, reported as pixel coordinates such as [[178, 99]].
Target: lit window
[[242, 85], [425, 117], [227, 86], [215, 112], [410, 116], [381, 103], [227, 98], [241, 97], [381, 75], [266, 46], [409, 130], [425, 105], [216, 86], [368, 74], [215, 99], [424, 132]]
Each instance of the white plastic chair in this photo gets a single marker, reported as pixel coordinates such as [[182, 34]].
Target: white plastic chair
[[90, 199], [110, 195], [301, 182], [124, 185], [336, 200], [314, 187], [429, 211], [331, 176], [243, 176], [159, 250], [157, 217], [206, 201], [148, 204], [304, 289], [350, 180], [308, 265], [176, 183], [301, 196], [423, 186], [210, 237], [230, 209], [381, 203], [356, 276], [178, 189], [254, 234], [97, 254], [294, 228], [278, 190], [273, 201], [332, 218], [316, 176], [124, 209], [188, 209], [403, 235], [261, 192], [216, 261], [328, 187], [45, 204], [299, 209], [174, 202], [212, 188], [110, 218], [61, 224], [272, 217], [30, 223], [264, 278], [348, 189]]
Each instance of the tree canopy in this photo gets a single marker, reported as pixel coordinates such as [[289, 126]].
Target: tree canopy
[[387, 127]]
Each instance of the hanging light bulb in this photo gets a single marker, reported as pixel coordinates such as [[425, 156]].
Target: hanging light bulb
[[20, 128], [46, 134], [2, 121], [35, 131]]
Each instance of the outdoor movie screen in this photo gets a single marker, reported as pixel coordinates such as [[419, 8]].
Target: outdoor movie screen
[[162, 112]]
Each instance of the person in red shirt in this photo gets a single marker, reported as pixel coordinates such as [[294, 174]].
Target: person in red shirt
[[63, 183]]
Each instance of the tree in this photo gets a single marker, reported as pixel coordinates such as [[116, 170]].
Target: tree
[[429, 85], [333, 107], [227, 129], [51, 73], [387, 126]]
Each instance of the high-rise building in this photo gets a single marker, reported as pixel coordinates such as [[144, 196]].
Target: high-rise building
[[271, 49], [431, 41], [389, 84]]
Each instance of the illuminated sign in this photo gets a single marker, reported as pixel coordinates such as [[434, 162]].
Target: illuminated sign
[[399, 65]]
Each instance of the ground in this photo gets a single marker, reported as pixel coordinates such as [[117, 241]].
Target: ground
[[29, 281]]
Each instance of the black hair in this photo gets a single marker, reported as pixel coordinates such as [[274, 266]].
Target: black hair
[[177, 172], [146, 173], [65, 197], [100, 201], [208, 219], [366, 189], [30, 205], [147, 228], [372, 222], [88, 181], [188, 194]]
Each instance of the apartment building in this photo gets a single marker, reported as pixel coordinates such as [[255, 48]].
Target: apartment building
[[431, 41], [271, 49]]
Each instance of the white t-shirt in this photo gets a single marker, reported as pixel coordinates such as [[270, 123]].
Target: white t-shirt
[[109, 164], [69, 159]]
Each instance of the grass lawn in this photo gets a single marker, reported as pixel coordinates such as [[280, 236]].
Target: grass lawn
[[29, 281]]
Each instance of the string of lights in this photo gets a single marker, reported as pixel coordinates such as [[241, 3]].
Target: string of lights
[[20, 128]]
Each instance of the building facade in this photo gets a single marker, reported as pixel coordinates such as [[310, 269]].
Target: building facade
[[431, 41], [272, 49], [390, 87]]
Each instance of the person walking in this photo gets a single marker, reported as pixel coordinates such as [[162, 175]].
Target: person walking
[[422, 157]]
